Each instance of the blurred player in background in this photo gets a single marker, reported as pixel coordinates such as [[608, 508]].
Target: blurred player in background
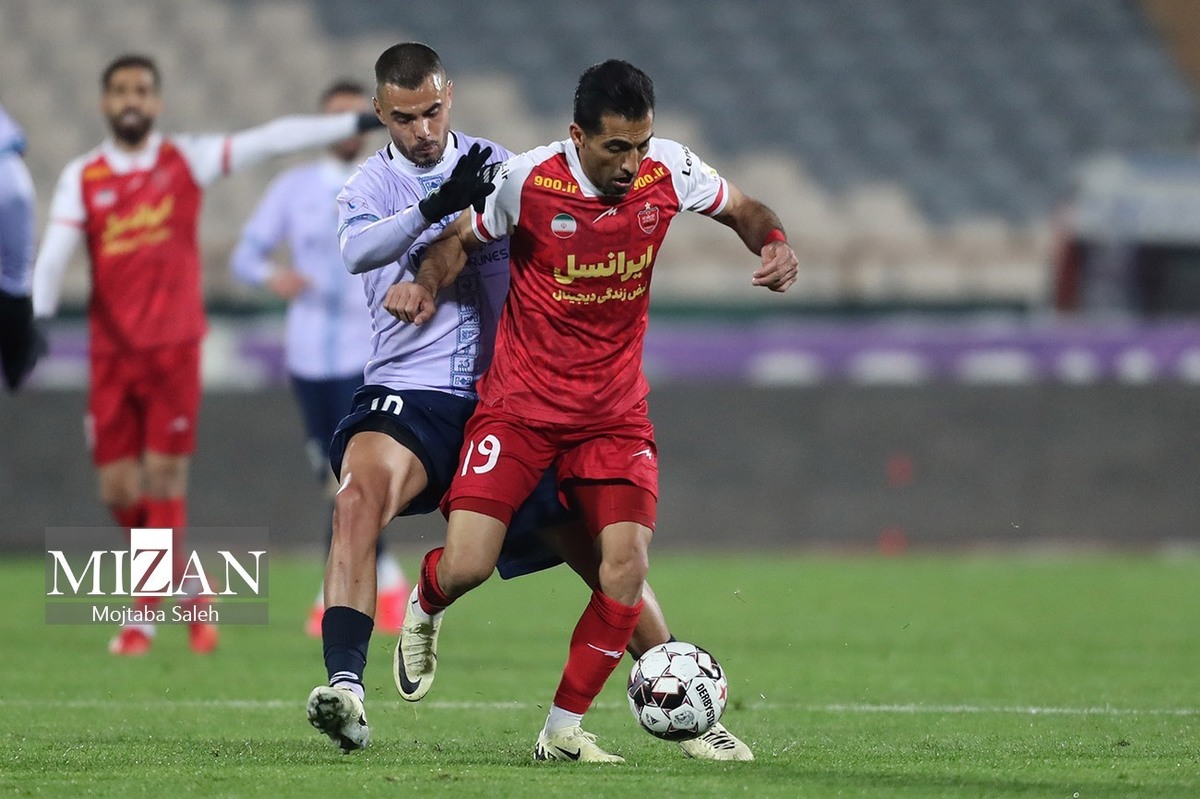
[[20, 343], [584, 219], [135, 202], [328, 325], [397, 452]]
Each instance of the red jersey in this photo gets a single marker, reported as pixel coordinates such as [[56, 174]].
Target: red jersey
[[569, 342], [138, 211], [141, 229]]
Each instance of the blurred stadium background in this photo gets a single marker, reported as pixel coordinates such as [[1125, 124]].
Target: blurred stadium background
[[996, 204]]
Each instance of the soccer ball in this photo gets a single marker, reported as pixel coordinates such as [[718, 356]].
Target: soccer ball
[[677, 691]]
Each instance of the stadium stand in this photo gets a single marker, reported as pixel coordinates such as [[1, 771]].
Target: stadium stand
[[917, 150]]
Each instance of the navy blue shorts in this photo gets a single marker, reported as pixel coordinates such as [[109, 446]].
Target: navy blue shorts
[[323, 403], [430, 424]]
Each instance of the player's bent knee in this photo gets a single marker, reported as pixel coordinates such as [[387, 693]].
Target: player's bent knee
[[622, 577], [356, 511]]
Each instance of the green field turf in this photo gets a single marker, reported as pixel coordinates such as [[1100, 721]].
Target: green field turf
[[972, 676]]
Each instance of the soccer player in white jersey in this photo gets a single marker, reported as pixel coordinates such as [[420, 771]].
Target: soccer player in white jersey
[[135, 202], [19, 340], [398, 450], [328, 337]]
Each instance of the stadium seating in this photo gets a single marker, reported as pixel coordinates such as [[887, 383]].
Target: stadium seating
[[916, 150]]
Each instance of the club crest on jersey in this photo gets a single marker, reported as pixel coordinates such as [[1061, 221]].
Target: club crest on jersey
[[563, 226], [648, 218], [430, 182], [106, 198]]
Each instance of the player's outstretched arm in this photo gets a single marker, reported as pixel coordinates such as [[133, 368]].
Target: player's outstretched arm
[[292, 134], [415, 301], [210, 156], [761, 231]]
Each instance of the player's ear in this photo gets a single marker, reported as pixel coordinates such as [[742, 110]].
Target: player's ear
[[449, 94], [576, 135]]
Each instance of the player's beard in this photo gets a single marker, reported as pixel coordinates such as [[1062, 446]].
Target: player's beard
[[615, 191], [426, 154], [610, 188], [131, 127], [426, 159]]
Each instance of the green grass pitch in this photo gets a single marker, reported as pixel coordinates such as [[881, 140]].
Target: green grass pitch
[[918, 676]]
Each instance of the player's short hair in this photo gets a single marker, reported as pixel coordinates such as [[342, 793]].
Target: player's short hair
[[342, 86], [407, 65], [130, 60], [613, 87]]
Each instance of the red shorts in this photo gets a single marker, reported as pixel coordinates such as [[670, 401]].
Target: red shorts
[[143, 400], [503, 458]]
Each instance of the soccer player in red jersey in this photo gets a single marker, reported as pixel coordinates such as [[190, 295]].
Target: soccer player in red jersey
[[135, 200], [586, 219], [397, 451]]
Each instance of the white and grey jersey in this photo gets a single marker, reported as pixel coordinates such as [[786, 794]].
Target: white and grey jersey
[[452, 349]]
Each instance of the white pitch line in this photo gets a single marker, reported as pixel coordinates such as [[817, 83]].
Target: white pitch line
[[835, 708], [1021, 710]]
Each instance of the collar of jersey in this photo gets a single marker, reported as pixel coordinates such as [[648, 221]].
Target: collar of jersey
[[120, 161], [572, 152], [405, 167]]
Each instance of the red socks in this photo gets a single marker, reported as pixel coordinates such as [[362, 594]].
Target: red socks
[[134, 516], [131, 515], [169, 512], [597, 646], [429, 593], [155, 512], [152, 512]]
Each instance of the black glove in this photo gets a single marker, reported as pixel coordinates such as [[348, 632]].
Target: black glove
[[468, 184], [21, 343], [367, 121]]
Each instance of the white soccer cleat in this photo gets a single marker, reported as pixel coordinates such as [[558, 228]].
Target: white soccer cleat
[[717, 744], [339, 713], [572, 743], [415, 659]]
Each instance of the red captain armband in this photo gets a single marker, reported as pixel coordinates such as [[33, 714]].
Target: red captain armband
[[775, 235]]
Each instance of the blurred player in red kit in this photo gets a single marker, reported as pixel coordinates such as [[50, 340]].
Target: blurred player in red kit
[[135, 202], [586, 219]]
